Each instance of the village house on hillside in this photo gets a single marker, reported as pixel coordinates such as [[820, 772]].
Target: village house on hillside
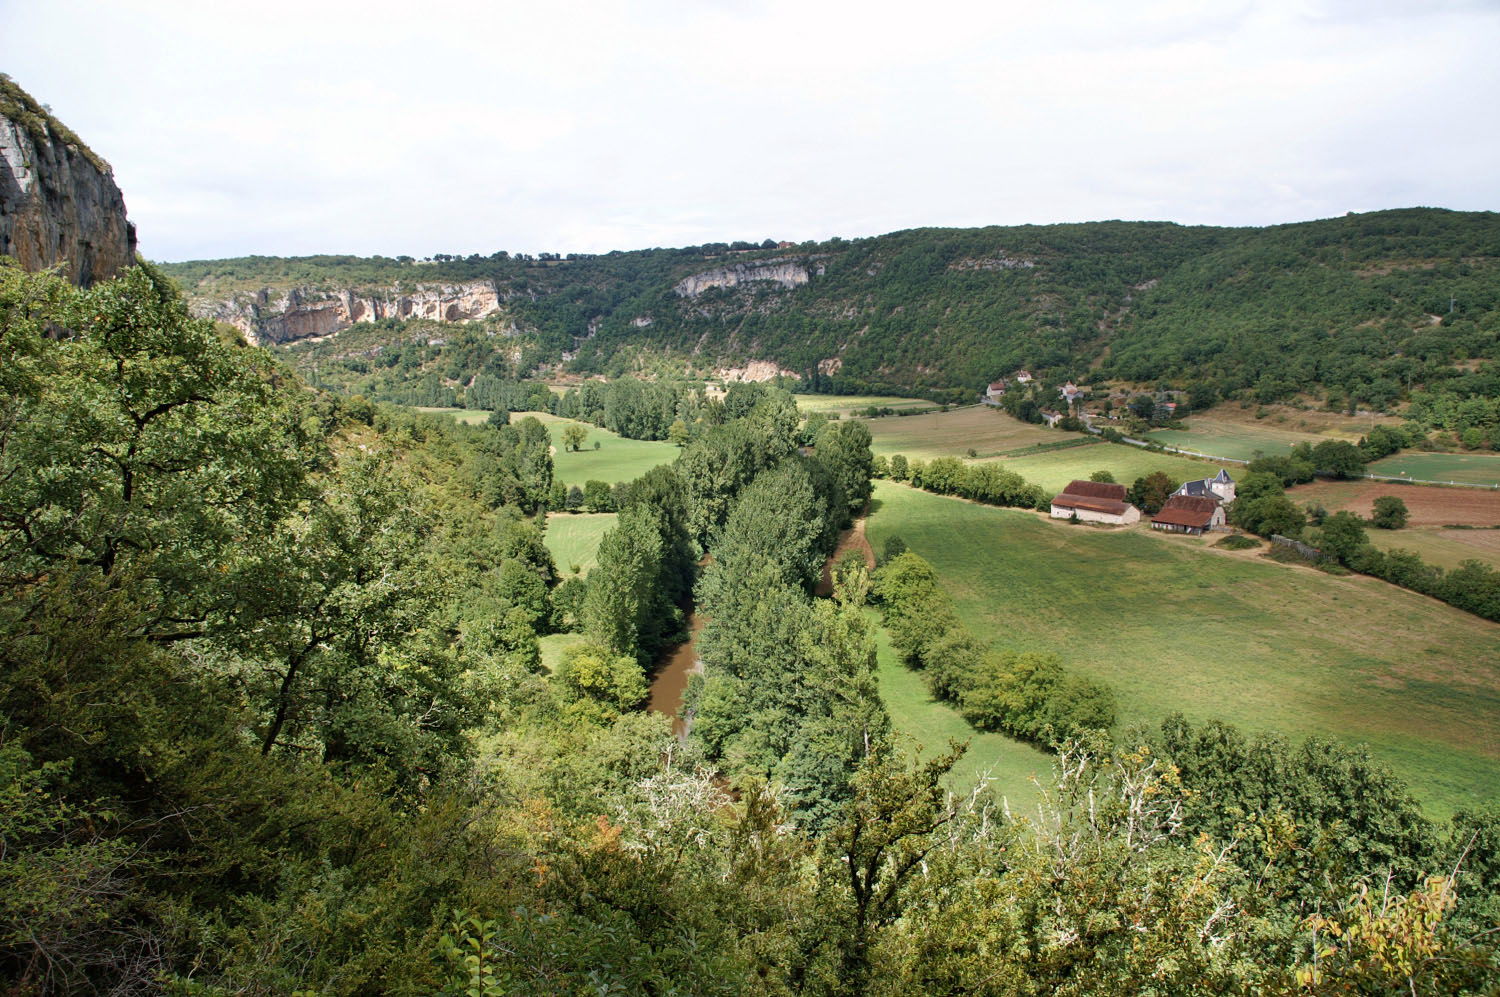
[[1071, 392], [995, 391], [1188, 514], [1220, 488], [1095, 502], [1023, 377]]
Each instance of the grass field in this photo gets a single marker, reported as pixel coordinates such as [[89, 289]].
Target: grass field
[[1053, 471], [846, 404], [1463, 468], [1445, 548], [573, 538], [552, 646], [1233, 440], [930, 725], [1174, 626], [467, 416], [955, 432], [617, 458]]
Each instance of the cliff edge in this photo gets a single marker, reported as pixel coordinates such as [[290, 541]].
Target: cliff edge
[[58, 201]]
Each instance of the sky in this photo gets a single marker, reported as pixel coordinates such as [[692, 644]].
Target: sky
[[292, 128]]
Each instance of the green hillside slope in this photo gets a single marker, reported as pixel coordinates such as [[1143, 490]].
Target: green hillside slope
[[1366, 307]]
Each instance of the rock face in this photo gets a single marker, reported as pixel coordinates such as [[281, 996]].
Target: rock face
[[281, 316], [58, 201], [787, 273]]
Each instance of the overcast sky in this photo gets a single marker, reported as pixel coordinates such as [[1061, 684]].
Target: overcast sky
[[288, 128]]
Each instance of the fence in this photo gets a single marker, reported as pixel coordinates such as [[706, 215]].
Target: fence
[[1311, 553]]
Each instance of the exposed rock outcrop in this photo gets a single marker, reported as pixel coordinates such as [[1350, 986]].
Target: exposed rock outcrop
[[58, 201], [755, 370], [280, 316], [787, 273]]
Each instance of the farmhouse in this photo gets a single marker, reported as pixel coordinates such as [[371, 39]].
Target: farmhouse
[[1188, 514], [1023, 377], [1071, 392], [1220, 488], [1095, 502], [994, 392]]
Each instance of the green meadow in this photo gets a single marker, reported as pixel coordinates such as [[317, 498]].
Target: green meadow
[[845, 404], [1461, 468], [1054, 470], [1234, 440], [955, 432], [617, 458], [573, 538], [1174, 626], [929, 725], [467, 416]]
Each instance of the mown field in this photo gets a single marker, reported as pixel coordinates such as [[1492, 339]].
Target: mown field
[[1233, 432], [955, 432], [617, 458], [1461, 468], [845, 404], [573, 538], [1054, 470], [1174, 626], [929, 725]]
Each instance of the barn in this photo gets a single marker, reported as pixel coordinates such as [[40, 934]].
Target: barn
[[1095, 502], [1188, 514]]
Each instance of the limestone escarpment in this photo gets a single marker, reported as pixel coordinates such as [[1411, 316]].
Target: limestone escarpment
[[787, 273], [271, 316], [59, 205]]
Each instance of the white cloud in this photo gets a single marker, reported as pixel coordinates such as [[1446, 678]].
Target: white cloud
[[456, 127]]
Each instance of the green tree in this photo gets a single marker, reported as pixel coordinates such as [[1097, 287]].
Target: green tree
[[1338, 458], [573, 435], [1342, 535], [1151, 492], [1390, 513]]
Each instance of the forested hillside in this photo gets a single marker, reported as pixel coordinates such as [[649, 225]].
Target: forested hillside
[[1363, 308]]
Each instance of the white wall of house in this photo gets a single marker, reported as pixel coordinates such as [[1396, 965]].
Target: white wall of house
[[1131, 515]]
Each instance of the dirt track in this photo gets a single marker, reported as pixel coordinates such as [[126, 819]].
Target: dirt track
[[854, 539]]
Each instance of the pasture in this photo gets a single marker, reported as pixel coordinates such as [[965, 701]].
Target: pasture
[[1236, 440], [617, 458], [846, 404], [1175, 626], [955, 432], [929, 725], [573, 538], [1460, 468], [466, 416], [1054, 470]]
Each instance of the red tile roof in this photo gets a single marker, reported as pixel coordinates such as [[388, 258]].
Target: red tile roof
[[1113, 507], [1096, 489], [1187, 510]]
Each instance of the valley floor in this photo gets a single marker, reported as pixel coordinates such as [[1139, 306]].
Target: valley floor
[[1173, 625]]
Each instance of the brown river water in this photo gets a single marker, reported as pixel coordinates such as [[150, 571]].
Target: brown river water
[[671, 679]]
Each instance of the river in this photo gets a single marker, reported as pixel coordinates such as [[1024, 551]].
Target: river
[[671, 679]]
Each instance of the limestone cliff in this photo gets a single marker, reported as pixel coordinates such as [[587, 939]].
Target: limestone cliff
[[58, 201], [787, 273], [271, 316]]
